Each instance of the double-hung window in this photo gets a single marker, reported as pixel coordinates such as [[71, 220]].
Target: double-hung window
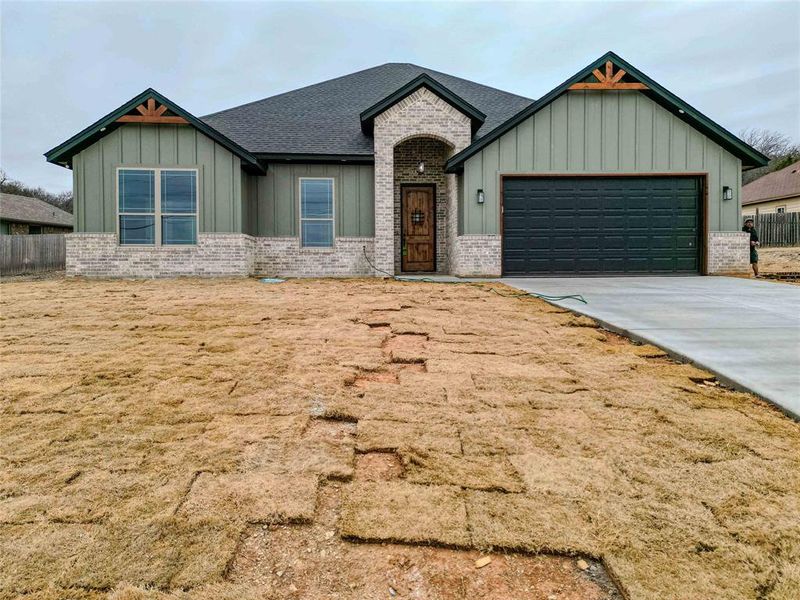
[[316, 212], [157, 206]]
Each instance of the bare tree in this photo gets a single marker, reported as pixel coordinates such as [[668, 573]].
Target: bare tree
[[780, 149], [771, 143]]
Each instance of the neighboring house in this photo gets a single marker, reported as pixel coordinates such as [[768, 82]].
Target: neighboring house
[[412, 170], [22, 215], [777, 192]]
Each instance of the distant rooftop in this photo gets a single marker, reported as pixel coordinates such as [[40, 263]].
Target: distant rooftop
[[24, 209], [779, 184]]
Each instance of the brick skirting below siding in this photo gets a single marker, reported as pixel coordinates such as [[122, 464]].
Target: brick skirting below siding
[[233, 254], [216, 254], [728, 252], [283, 257]]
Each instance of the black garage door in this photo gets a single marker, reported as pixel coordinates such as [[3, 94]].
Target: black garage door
[[600, 225]]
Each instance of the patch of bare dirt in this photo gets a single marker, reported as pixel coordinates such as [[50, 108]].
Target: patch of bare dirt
[[779, 260], [378, 466], [314, 563]]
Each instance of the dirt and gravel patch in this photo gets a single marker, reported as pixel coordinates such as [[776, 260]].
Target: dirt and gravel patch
[[192, 439], [779, 260], [780, 264]]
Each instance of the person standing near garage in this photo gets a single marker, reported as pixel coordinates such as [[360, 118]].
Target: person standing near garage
[[749, 228]]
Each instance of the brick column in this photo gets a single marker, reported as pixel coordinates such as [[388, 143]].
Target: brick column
[[384, 205], [728, 252]]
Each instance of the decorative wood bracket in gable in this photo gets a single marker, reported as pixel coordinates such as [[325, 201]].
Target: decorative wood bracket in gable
[[608, 81], [151, 114]]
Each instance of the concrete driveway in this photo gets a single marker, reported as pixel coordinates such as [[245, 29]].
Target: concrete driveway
[[747, 332]]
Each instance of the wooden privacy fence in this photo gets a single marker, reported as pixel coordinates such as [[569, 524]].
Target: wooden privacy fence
[[32, 253], [777, 229]]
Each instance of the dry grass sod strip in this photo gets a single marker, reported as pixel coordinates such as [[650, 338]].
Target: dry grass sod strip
[[158, 552], [543, 522], [256, 497], [387, 436], [475, 472], [404, 512]]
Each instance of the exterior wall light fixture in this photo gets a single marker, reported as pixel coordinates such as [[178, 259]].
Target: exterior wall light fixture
[[727, 193], [481, 197], [421, 167]]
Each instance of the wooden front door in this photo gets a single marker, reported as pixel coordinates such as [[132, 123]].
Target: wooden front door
[[418, 229]]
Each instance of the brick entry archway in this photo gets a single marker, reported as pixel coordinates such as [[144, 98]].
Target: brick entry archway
[[433, 154], [420, 115]]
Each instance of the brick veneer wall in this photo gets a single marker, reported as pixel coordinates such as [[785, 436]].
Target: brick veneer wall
[[728, 252], [406, 160], [216, 254], [477, 256], [421, 114], [283, 257]]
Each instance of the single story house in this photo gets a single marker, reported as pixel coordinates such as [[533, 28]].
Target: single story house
[[402, 169], [22, 215], [776, 192]]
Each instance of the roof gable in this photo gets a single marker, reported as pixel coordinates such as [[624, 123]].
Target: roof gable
[[24, 209], [631, 78], [773, 186], [143, 109], [424, 80]]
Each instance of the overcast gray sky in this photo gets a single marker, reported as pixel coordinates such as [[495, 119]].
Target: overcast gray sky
[[66, 64]]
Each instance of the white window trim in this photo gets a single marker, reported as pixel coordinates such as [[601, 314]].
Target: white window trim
[[300, 217], [157, 214], [781, 210]]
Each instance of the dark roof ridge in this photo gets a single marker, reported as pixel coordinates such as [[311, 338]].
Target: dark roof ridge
[[325, 81], [470, 81]]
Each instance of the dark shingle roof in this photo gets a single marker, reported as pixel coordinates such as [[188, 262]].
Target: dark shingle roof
[[324, 118], [23, 209]]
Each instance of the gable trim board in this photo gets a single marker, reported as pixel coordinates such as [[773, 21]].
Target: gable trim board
[[250, 192], [63, 153], [476, 117]]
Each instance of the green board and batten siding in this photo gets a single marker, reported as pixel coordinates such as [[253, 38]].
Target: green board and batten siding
[[219, 173], [273, 203], [599, 132], [231, 201]]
